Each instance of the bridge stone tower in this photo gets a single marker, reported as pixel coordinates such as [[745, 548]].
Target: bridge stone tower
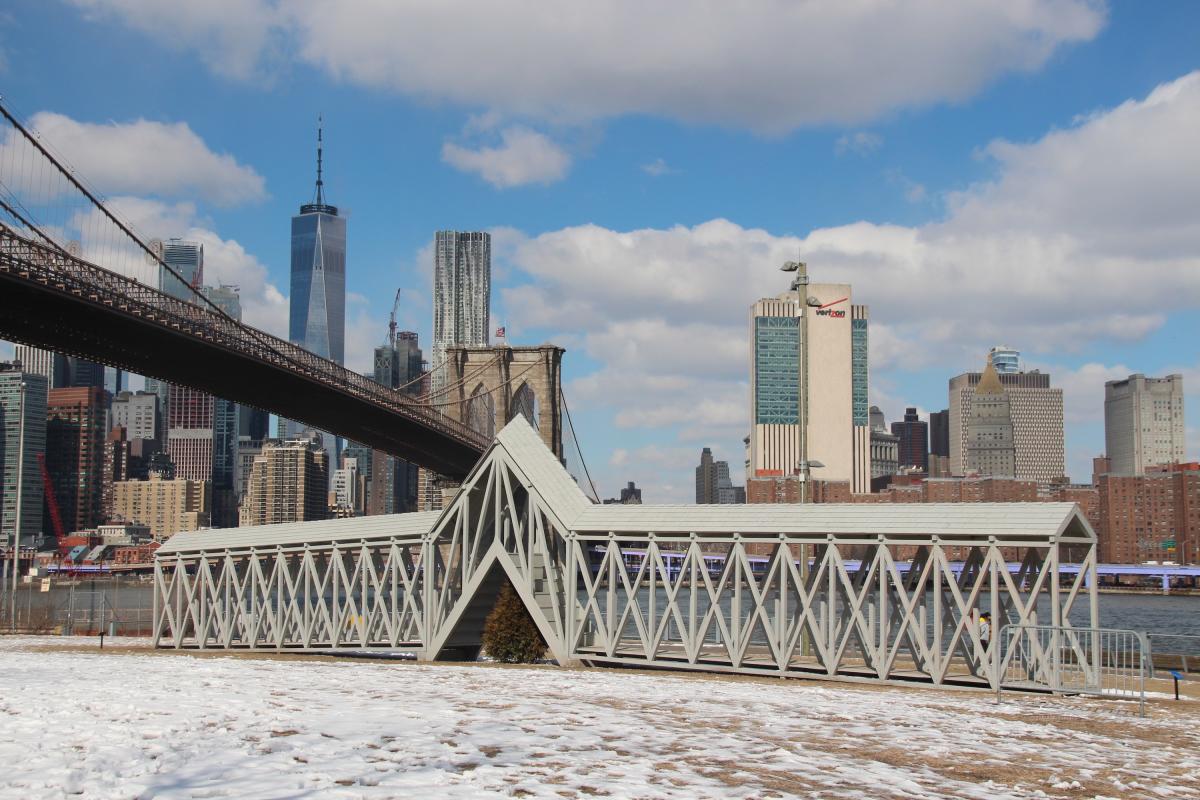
[[489, 385]]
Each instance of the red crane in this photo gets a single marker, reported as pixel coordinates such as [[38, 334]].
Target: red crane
[[52, 502]]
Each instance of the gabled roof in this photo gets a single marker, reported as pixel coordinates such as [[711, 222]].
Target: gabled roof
[[546, 473], [1002, 520], [292, 534]]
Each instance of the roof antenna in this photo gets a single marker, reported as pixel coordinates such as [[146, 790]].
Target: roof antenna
[[320, 193]]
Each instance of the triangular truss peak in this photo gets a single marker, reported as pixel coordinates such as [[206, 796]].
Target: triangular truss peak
[[853, 592]]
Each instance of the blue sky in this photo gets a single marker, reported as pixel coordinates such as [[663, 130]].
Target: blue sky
[[982, 172]]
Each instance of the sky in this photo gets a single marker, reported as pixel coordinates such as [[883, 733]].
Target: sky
[[1019, 172]]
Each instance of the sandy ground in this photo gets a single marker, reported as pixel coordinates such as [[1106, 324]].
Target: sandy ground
[[128, 722]]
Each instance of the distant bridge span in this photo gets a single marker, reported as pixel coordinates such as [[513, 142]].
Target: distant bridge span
[[52, 300]]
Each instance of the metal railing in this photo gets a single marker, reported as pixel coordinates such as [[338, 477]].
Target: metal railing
[[70, 275], [1064, 660], [1174, 651]]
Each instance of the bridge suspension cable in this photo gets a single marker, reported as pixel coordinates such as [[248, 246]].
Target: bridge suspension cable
[[63, 243], [578, 450]]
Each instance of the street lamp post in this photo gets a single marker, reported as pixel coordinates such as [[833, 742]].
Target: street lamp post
[[16, 542]]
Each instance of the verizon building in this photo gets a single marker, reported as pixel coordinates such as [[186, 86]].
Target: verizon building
[[1037, 423], [812, 344]]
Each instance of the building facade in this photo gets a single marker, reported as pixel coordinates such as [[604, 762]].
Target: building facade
[[912, 434], [392, 482], [939, 444], [1150, 517], [1005, 359], [809, 350], [75, 434], [990, 448], [462, 295], [165, 506], [885, 454], [186, 259], [191, 419], [1037, 417], [713, 483], [288, 482], [137, 413], [1143, 423], [23, 398], [226, 425], [60, 371]]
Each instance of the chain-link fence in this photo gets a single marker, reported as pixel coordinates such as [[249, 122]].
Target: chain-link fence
[[79, 605]]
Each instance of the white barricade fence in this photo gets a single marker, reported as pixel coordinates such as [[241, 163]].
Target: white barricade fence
[[1065, 660]]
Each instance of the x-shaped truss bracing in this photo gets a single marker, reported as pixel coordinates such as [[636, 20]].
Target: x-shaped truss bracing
[[853, 606]]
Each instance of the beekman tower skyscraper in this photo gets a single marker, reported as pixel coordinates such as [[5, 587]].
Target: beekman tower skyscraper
[[317, 321]]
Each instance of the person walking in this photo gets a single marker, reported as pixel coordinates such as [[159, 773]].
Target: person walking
[[985, 630]]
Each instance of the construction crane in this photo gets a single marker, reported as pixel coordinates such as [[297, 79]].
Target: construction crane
[[391, 337], [52, 502]]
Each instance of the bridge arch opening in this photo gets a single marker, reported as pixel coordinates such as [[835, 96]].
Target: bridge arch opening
[[481, 411], [525, 402]]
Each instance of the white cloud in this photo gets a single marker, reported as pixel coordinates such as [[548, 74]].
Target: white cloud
[[913, 192], [657, 168], [860, 143], [523, 156], [767, 65], [940, 294], [145, 157], [225, 260], [239, 39]]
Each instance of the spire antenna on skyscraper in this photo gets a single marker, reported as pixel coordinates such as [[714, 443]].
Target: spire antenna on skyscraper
[[318, 205], [320, 183]]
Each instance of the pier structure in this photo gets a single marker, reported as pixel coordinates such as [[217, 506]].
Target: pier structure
[[850, 592]]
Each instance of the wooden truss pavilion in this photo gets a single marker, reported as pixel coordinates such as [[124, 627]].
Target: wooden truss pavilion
[[856, 592]]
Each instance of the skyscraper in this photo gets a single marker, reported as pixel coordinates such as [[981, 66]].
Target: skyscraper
[[939, 444], [190, 424], [809, 348], [990, 445], [186, 259], [706, 477], [317, 319], [913, 434], [393, 481], [226, 425], [60, 371], [22, 413], [713, 484], [1037, 417], [75, 453], [462, 294], [1005, 359], [288, 482], [1143, 423]]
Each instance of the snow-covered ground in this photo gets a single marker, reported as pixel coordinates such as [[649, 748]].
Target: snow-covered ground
[[125, 723]]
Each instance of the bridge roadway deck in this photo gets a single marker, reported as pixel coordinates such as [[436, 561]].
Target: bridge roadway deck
[[59, 303]]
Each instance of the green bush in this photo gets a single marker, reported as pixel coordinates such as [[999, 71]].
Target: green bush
[[509, 633]]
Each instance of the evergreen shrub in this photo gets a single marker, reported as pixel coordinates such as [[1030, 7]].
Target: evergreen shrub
[[509, 632]]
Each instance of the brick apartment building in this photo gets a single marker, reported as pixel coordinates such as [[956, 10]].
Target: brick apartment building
[[1151, 517]]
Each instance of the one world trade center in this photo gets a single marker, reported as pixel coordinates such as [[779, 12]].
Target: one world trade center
[[317, 321]]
